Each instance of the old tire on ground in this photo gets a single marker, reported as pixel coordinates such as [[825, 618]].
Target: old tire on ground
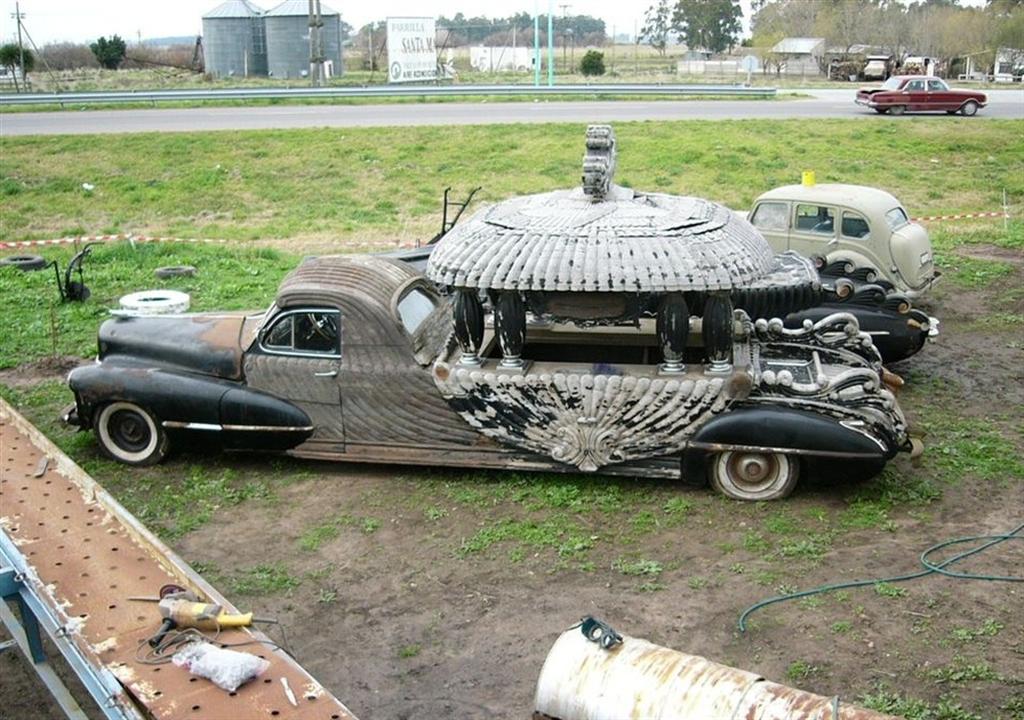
[[24, 262], [174, 271], [753, 476], [130, 434], [155, 302], [969, 108], [897, 109]]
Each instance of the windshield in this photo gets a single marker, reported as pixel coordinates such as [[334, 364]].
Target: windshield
[[892, 83], [896, 218]]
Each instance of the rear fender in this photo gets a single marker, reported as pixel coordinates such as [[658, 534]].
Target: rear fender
[[778, 429]]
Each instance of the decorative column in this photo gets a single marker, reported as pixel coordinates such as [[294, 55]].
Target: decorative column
[[673, 329], [468, 315], [510, 326], [718, 331]]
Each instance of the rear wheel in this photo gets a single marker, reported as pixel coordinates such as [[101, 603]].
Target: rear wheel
[[969, 108], [754, 476], [130, 434], [897, 109]]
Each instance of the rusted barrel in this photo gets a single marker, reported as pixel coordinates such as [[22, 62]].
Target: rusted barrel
[[581, 680]]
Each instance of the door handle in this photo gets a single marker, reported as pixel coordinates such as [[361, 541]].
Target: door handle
[[328, 373]]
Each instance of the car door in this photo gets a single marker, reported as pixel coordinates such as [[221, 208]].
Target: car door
[[771, 217], [917, 95], [297, 356], [813, 230], [939, 96]]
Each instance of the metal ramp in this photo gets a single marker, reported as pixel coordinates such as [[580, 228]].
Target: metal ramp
[[70, 555]]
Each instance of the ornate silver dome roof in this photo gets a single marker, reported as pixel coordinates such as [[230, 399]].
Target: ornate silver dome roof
[[602, 238]]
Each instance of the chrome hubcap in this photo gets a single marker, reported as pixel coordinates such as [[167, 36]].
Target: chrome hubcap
[[752, 468]]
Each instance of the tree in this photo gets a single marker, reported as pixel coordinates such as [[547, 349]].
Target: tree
[[657, 25], [592, 63], [10, 58], [109, 53], [711, 25]]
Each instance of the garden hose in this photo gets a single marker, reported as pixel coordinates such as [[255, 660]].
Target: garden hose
[[929, 569]]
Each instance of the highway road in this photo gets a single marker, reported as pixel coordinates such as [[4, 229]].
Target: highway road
[[821, 104]]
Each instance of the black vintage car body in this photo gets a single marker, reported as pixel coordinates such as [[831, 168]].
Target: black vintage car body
[[366, 359]]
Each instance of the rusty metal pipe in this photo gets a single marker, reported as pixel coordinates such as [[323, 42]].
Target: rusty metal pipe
[[637, 679]]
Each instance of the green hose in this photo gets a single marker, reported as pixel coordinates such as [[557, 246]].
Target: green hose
[[929, 569]]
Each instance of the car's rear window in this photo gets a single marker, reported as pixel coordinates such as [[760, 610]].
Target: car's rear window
[[896, 218], [414, 307]]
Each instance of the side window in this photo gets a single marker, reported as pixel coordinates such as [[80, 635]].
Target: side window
[[915, 86], [817, 219], [936, 86], [771, 216], [305, 332], [415, 307], [855, 226], [280, 335]]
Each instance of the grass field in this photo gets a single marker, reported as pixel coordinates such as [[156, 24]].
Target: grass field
[[319, 544], [382, 187]]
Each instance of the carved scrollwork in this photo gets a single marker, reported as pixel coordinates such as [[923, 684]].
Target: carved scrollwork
[[584, 420], [838, 331]]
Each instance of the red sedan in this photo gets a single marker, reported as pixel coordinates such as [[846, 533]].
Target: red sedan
[[919, 93]]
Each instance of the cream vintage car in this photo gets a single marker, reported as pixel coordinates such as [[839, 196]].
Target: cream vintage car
[[862, 232]]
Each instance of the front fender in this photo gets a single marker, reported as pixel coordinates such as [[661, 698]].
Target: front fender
[[168, 395], [780, 429]]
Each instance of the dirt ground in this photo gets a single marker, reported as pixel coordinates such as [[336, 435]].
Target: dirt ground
[[415, 594]]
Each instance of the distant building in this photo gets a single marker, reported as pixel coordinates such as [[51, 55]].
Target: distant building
[[234, 42], [287, 28], [501, 59], [800, 56], [241, 40]]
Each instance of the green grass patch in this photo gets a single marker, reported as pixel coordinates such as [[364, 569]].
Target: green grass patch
[[39, 325], [330, 182], [893, 703], [263, 580], [557, 531]]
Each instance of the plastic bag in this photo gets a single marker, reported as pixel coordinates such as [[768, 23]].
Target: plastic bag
[[227, 669]]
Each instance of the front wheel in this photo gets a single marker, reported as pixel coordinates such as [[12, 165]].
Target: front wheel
[[970, 108], [130, 434], [881, 111], [897, 109], [754, 476]]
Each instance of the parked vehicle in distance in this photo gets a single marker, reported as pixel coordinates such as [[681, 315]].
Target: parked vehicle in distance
[[868, 252], [918, 93], [876, 67]]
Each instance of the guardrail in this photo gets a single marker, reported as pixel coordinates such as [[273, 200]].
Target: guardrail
[[383, 91]]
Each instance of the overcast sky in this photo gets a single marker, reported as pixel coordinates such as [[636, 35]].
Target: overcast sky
[[79, 20]]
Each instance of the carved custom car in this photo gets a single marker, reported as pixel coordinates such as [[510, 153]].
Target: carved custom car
[[918, 93], [872, 260], [598, 329]]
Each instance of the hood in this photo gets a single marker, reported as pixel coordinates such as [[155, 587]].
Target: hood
[[203, 343]]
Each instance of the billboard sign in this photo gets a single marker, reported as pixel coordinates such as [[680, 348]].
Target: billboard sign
[[412, 56]]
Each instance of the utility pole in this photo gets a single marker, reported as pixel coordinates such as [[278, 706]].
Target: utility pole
[[565, 38], [21, 50], [536, 45], [316, 55], [551, 45]]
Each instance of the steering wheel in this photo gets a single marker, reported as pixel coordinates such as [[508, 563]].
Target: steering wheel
[[325, 326]]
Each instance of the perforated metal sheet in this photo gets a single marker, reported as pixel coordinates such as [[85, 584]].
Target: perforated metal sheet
[[87, 555]]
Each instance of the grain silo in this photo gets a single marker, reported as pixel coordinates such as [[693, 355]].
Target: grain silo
[[234, 43], [287, 27]]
